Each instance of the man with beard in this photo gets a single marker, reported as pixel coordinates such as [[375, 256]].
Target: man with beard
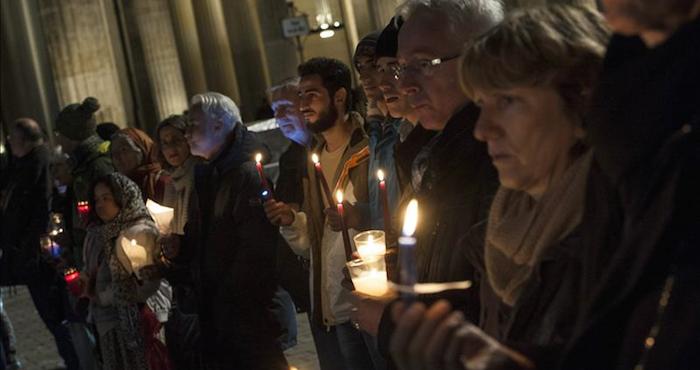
[[313, 232]]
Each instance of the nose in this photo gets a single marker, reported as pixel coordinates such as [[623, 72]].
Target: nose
[[485, 128], [408, 84]]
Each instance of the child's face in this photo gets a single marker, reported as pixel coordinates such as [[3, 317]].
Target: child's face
[[105, 206]]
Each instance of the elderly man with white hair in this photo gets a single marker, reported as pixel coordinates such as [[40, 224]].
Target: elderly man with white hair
[[229, 245], [451, 176]]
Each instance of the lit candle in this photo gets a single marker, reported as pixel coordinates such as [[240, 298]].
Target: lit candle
[[132, 255], [322, 179], [71, 276], [266, 188], [344, 229], [83, 210], [369, 275], [370, 243], [407, 249], [162, 215], [385, 202]]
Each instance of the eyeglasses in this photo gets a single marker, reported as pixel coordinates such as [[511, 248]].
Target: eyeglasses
[[424, 67]]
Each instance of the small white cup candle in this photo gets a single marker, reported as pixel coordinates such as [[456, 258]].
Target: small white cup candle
[[370, 243], [369, 275]]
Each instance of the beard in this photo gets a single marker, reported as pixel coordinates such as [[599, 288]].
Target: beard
[[325, 120]]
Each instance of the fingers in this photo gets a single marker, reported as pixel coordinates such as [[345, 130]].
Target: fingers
[[422, 337], [407, 325], [435, 348]]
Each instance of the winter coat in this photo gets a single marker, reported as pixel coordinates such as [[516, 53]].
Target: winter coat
[[25, 204], [643, 210], [230, 247], [310, 235]]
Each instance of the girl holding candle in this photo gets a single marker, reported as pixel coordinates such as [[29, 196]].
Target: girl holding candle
[[117, 298]]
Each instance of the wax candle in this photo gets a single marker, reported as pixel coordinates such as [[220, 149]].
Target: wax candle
[[162, 215], [83, 209], [322, 179], [71, 276], [369, 275], [132, 255], [265, 194], [344, 229], [370, 243], [385, 202], [407, 249]]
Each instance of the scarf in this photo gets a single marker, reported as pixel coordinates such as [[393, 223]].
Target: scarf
[[124, 285], [178, 194], [146, 175], [520, 230]]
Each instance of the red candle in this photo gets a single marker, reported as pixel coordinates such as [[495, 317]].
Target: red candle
[[344, 229], [71, 277], [258, 165], [322, 179], [385, 202], [83, 208]]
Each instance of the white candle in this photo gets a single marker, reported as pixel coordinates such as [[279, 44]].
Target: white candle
[[370, 243], [132, 255], [372, 283]]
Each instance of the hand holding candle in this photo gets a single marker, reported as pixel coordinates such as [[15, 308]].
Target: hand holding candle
[[344, 229]]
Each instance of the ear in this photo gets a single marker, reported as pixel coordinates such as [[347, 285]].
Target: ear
[[340, 97]]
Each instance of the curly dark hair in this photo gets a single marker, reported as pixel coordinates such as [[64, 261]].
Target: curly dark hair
[[334, 74]]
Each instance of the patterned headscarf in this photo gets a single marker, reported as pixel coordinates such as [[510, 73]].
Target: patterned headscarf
[[147, 173], [132, 208]]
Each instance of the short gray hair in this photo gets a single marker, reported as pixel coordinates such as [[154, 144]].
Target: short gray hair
[[286, 84], [218, 106], [467, 18]]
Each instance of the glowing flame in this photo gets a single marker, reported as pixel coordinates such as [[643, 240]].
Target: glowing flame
[[410, 219], [314, 158], [133, 242], [380, 175], [258, 158], [339, 196]]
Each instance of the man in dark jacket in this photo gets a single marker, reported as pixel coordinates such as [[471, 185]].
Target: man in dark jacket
[[25, 204], [229, 244]]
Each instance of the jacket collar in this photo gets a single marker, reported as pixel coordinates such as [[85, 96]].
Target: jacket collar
[[240, 148]]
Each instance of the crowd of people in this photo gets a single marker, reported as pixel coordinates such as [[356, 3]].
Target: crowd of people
[[554, 152]]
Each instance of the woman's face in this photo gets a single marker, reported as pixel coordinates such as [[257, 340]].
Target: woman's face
[[126, 156], [174, 146], [105, 205], [529, 134]]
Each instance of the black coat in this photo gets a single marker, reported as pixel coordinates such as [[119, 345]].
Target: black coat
[[642, 217], [230, 247], [26, 190]]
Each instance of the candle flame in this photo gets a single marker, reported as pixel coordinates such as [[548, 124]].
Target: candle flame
[[410, 220], [339, 196], [133, 242], [314, 158], [258, 157], [380, 175]]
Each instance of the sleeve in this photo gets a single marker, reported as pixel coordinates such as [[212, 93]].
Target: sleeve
[[297, 235]]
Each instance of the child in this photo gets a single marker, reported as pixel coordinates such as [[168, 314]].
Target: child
[[117, 296]]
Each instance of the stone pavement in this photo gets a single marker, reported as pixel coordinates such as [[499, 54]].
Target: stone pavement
[[37, 351]]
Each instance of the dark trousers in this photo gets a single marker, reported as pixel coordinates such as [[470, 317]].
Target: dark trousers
[[340, 347], [50, 297]]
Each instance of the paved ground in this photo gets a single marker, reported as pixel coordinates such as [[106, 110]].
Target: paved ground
[[38, 352]]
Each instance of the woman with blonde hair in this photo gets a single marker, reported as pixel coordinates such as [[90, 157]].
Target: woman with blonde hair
[[532, 76]]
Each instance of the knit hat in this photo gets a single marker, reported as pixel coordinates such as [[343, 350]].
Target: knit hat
[[77, 121], [388, 41], [365, 47]]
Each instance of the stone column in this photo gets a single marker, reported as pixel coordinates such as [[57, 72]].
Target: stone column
[[216, 49], [185, 28], [81, 55], [161, 58]]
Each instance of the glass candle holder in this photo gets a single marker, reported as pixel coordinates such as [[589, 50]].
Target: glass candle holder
[[369, 275], [370, 243]]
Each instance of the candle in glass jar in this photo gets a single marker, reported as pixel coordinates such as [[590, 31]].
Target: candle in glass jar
[[321, 178], [372, 283], [344, 229], [83, 208], [370, 243], [407, 249]]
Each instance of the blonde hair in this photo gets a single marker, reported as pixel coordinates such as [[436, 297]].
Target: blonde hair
[[560, 46]]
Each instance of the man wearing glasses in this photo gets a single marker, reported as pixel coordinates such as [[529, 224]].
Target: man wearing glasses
[[452, 176]]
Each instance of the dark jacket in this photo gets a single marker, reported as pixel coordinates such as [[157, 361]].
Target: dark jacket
[[24, 217], [643, 210], [230, 247], [406, 152], [293, 269], [89, 161]]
